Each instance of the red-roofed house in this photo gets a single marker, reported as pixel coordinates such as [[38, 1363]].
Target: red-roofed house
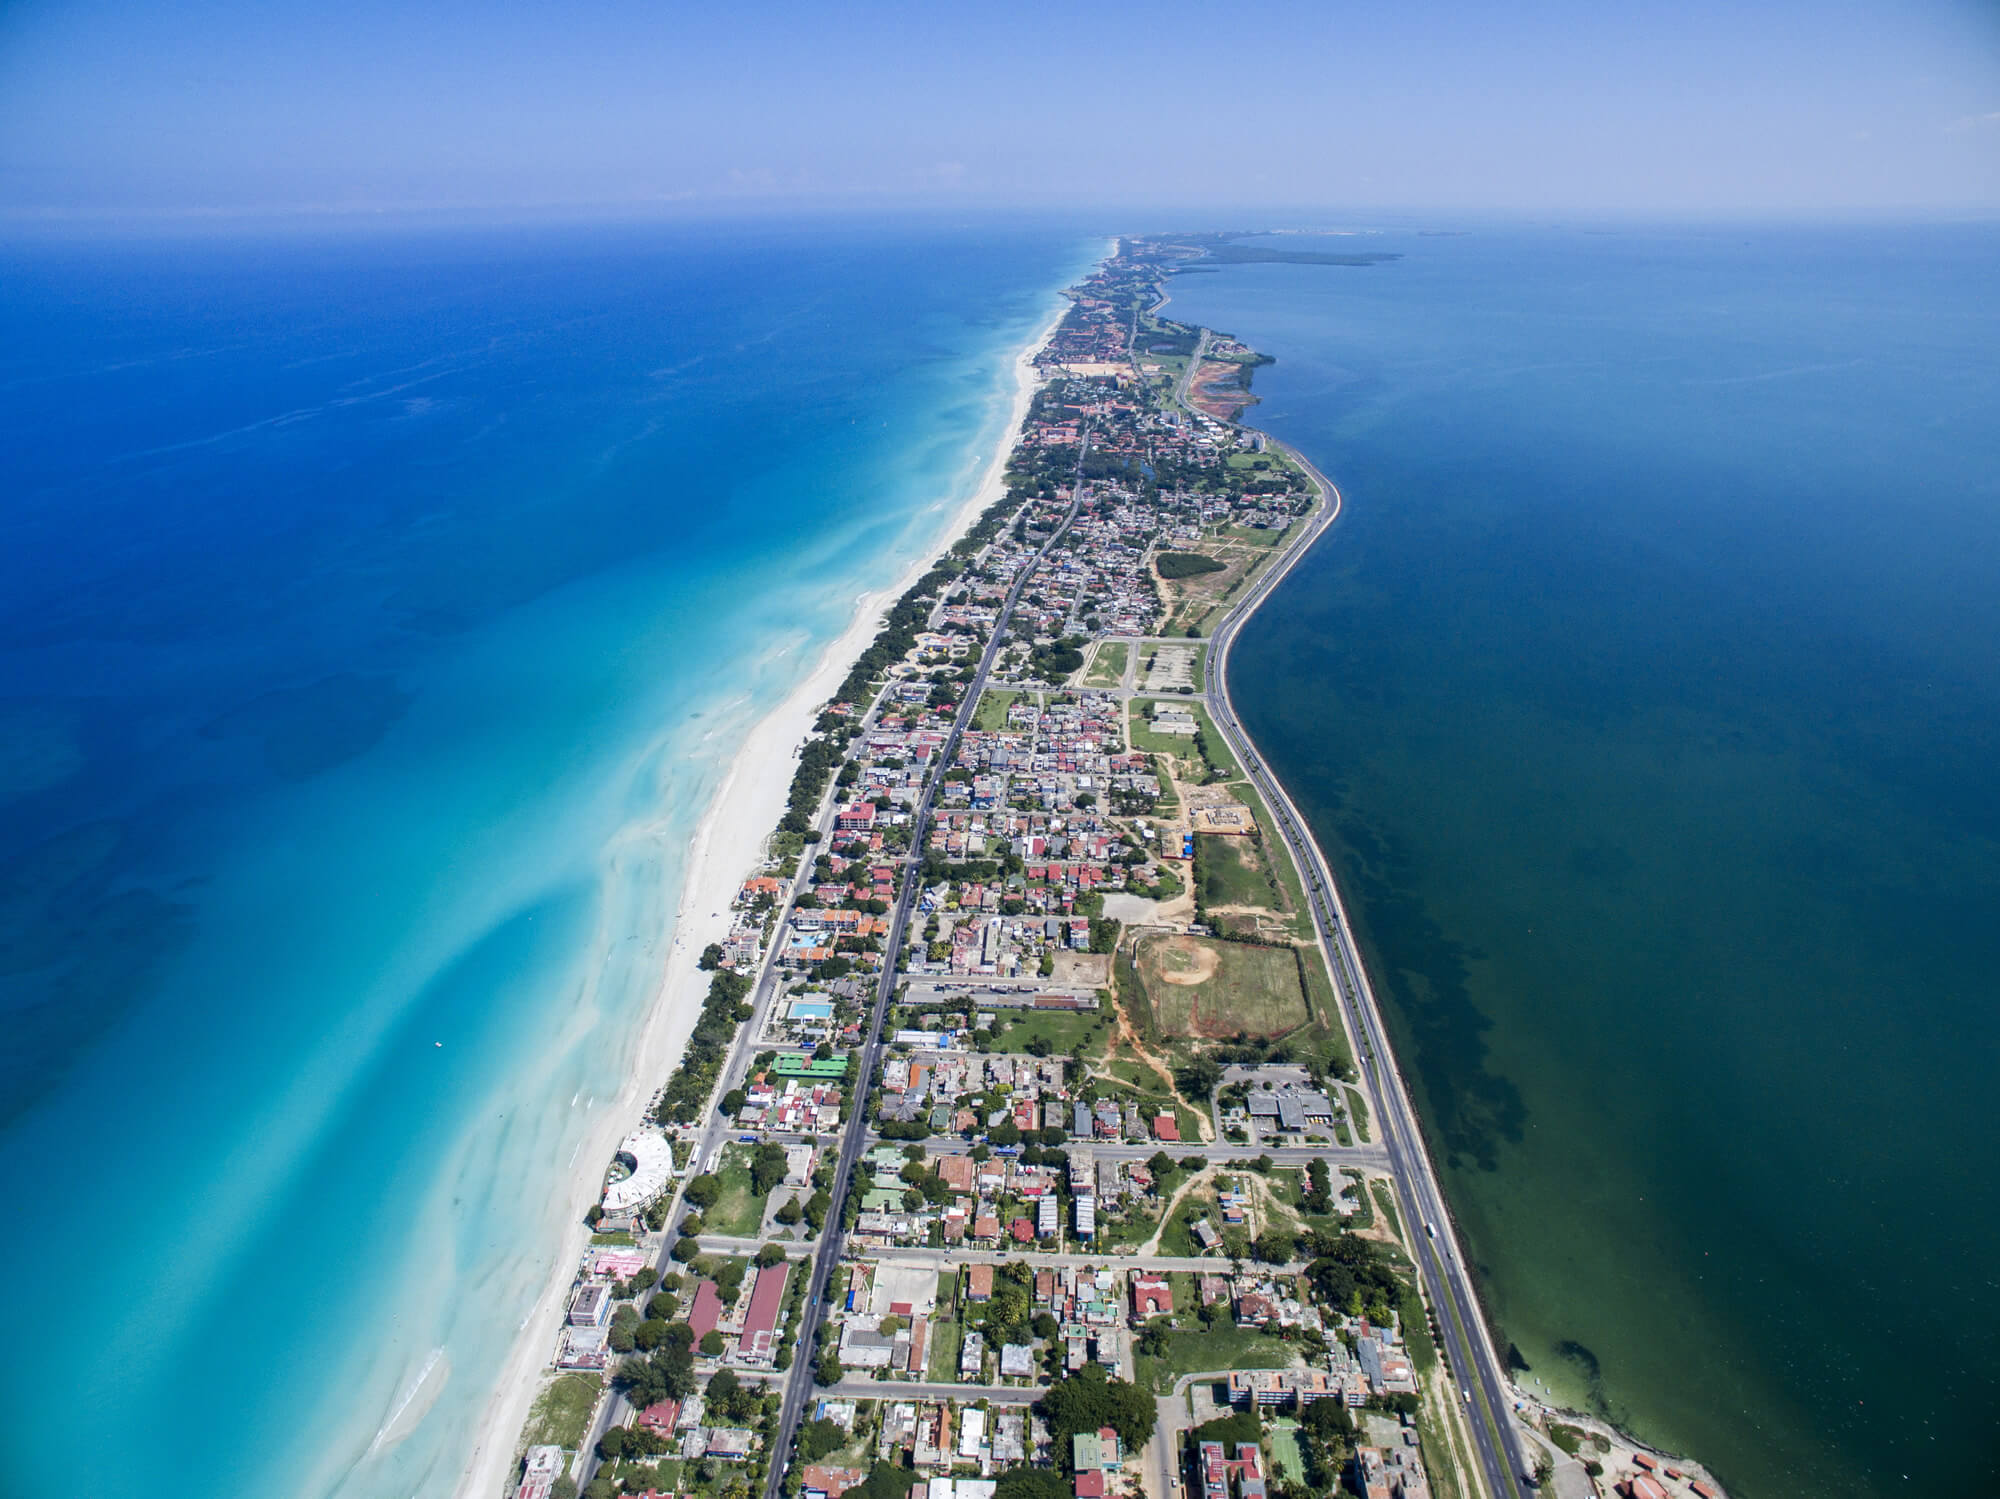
[[979, 1283], [1167, 1127], [1151, 1296], [1090, 1485], [706, 1311], [760, 1323], [820, 1482]]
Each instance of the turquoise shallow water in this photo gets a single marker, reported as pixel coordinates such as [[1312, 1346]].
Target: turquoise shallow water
[[378, 617], [1647, 699]]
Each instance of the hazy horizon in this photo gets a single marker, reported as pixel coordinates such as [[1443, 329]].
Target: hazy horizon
[[219, 111]]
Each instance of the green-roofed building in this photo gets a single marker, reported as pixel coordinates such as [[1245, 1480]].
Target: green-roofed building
[[1095, 1450], [797, 1064]]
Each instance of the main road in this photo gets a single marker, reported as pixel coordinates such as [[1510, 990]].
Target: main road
[[1468, 1346]]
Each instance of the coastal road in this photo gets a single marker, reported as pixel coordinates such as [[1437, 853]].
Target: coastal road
[[833, 1237], [1474, 1362]]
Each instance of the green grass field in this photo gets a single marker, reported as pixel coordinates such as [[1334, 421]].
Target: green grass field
[[1252, 537], [1357, 1111], [1107, 667], [1216, 1348], [1181, 746], [738, 1213], [1386, 1205], [1199, 986], [947, 1338], [991, 714], [1288, 1461], [1233, 873], [1282, 867], [560, 1416], [1069, 1032], [1216, 747]]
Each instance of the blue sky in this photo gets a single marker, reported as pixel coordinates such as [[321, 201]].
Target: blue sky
[[200, 107]]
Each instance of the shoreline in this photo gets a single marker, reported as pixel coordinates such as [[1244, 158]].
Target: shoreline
[[727, 846]]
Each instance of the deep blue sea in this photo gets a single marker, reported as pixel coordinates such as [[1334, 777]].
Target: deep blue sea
[[1646, 697], [378, 615]]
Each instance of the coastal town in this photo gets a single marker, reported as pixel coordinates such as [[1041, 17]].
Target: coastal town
[[1038, 1138]]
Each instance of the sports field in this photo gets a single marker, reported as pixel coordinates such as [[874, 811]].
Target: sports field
[[1199, 986]]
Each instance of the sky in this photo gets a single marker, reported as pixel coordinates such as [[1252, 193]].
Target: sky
[[221, 108]]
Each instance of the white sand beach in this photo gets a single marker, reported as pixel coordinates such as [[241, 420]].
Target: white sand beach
[[727, 847]]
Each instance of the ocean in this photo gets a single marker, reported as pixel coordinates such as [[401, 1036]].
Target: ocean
[[379, 615], [1646, 698]]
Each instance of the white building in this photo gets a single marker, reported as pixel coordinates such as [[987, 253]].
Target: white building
[[646, 1153]]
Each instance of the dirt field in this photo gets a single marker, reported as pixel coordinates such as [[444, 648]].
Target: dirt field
[[1199, 986], [1217, 388]]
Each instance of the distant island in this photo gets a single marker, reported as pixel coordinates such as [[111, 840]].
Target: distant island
[[1200, 252]]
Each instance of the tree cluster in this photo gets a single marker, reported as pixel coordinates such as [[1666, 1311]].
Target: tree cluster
[[1090, 1399], [682, 1100]]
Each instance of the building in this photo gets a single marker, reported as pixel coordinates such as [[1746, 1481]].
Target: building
[[539, 1471], [585, 1348], [799, 1064], [865, 1347], [1398, 1473], [1216, 1472], [1096, 1449], [760, 1323], [1388, 1369], [821, 1482], [706, 1311], [730, 1443], [971, 1433], [979, 1283], [1283, 1388], [1152, 1296], [591, 1306], [649, 1159]]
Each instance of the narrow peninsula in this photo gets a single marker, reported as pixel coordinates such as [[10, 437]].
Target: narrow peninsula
[[1040, 1137]]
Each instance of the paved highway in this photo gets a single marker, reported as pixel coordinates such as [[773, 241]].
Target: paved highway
[[1467, 1344]]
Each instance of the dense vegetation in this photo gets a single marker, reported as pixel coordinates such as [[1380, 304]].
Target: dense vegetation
[[1089, 1399], [1186, 564], [687, 1090]]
